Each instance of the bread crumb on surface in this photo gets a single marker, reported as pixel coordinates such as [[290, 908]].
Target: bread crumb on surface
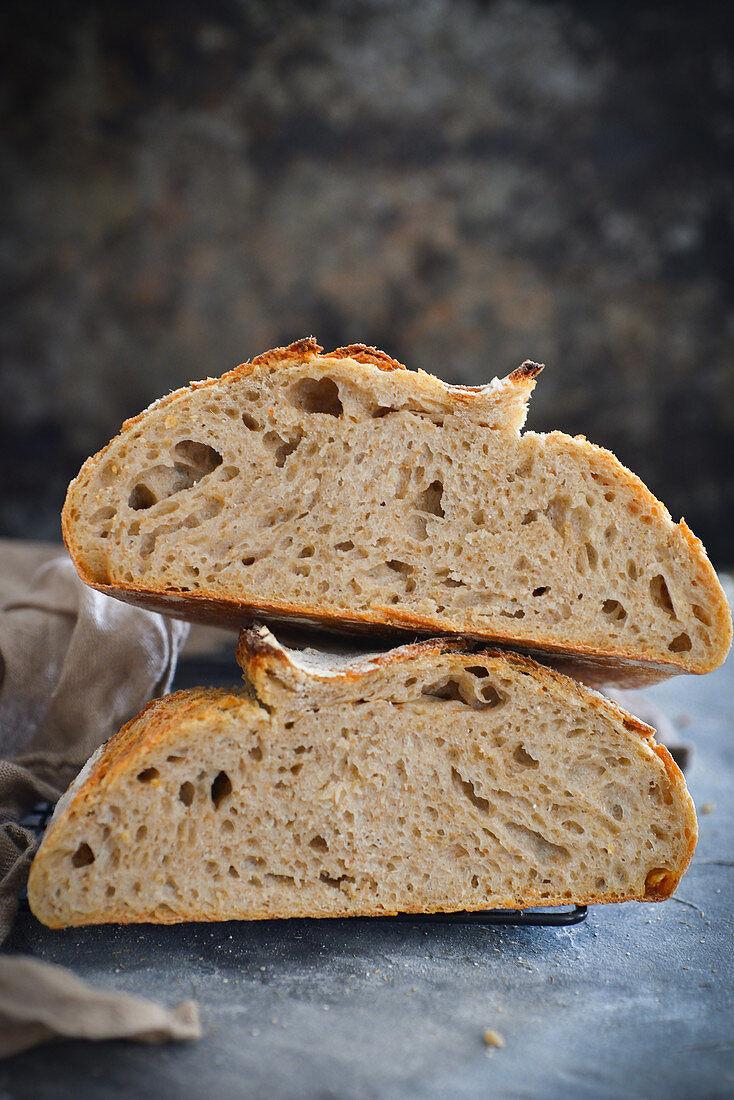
[[493, 1038], [708, 807]]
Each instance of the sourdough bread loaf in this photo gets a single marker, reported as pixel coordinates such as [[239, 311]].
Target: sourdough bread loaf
[[430, 778], [345, 490]]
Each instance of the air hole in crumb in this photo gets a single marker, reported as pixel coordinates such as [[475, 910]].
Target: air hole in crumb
[[318, 395], [399, 567], [335, 882], [233, 872], [221, 788], [660, 595], [148, 775], [680, 644], [529, 517], [617, 812], [556, 513], [444, 689], [141, 497], [521, 756], [615, 610], [542, 590], [491, 696], [318, 844], [280, 447], [249, 561], [430, 500], [417, 527], [701, 615], [83, 856], [467, 788], [477, 670], [250, 422], [186, 793], [348, 545], [256, 753], [201, 456], [102, 514]]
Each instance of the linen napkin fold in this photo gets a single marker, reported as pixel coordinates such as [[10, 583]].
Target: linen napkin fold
[[75, 665], [41, 1001]]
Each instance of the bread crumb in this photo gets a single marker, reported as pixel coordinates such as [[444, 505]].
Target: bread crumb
[[493, 1038], [708, 807]]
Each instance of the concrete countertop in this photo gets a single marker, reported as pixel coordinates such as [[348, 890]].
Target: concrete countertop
[[637, 1001]]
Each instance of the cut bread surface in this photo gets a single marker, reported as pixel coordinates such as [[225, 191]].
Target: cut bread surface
[[345, 490], [430, 778]]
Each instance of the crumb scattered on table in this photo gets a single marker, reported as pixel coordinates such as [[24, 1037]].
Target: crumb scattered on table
[[493, 1038]]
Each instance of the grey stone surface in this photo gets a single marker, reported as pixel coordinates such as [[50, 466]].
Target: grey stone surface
[[466, 184], [638, 1001]]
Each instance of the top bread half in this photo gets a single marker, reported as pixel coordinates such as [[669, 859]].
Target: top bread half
[[345, 490]]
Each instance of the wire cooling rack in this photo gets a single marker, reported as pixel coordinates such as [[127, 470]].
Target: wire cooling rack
[[549, 918], [40, 815]]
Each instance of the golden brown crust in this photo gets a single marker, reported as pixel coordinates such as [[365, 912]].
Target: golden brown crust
[[361, 353], [299, 349], [527, 370]]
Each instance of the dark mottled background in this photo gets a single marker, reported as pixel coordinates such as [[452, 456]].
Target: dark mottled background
[[465, 184]]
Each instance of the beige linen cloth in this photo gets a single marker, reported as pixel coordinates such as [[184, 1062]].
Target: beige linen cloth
[[74, 666]]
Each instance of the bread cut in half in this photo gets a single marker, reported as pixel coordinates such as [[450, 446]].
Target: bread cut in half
[[346, 490], [430, 778]]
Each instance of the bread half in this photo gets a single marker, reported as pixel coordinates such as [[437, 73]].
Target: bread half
[[430, 778], [345, 490]]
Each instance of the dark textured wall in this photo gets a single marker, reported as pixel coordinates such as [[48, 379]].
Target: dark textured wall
[[465, 184]]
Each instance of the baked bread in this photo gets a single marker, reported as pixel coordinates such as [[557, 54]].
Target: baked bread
[[346, 490], [429, 778]]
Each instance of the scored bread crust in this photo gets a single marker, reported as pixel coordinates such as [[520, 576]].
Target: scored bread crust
[[622, 658], [282, 685]]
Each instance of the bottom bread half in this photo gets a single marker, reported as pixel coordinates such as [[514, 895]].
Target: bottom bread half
[[427, 779]]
